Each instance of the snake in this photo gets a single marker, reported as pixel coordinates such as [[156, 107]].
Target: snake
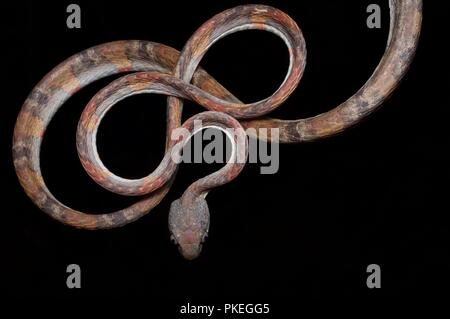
[[155, 68]]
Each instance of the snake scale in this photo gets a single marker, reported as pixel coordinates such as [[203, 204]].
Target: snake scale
[[156, 68]]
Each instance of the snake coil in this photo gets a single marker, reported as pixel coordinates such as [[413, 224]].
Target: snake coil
[[163, 70]]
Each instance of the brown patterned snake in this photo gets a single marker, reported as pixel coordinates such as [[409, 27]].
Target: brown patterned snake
[[163, 70]]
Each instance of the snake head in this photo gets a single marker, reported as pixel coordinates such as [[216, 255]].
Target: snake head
[[189, 225]]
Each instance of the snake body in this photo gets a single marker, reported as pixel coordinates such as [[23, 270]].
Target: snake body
[[163, 70]]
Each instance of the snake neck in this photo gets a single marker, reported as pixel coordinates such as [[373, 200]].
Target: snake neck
[[191, 195]]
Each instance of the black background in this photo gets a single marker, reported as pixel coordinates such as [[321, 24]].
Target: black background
[[375, 194]]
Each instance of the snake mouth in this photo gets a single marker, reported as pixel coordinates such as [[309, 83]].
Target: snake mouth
[[190, 251], [190, 244]]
